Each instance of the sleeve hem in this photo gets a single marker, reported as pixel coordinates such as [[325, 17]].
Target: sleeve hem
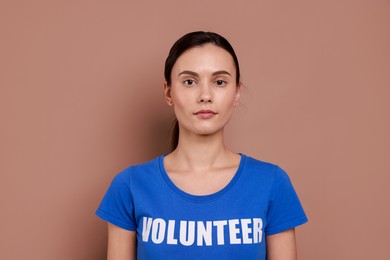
[[115, 221], [285, 226]]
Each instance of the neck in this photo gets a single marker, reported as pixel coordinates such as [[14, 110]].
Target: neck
[[201, 151]]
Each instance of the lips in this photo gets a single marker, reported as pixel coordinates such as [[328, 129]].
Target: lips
[[205, 114]]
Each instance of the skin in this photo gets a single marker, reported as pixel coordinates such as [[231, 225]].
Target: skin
[[203, 78], [122, 244]]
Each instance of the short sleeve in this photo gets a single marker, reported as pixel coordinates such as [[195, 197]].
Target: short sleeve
[[285, 210], [117, 204]]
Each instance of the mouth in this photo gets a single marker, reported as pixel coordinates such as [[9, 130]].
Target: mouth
[[205, 114]]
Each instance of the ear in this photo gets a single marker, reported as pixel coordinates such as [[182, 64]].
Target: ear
[[238, 94], [167, 93]]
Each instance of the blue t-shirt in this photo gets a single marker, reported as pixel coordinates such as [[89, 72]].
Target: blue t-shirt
[[229, 224]]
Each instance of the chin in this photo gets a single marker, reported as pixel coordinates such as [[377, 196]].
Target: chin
[[204, 129], [207, 131]]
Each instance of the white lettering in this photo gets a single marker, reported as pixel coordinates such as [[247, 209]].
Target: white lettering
[[204, 233], [240, 231], [233, 231], [158, 230], [246, 230], [257, 232], [220, 234], [187, 235], [147, 224], [171, 232]]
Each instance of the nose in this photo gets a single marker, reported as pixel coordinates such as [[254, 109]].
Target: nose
[[205, 100], [205, 95]]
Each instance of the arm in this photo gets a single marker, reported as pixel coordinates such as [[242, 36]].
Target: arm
[[122, 244], [282, 246]]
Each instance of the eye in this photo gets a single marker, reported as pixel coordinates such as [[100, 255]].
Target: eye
[[189, 82], [220, 83]]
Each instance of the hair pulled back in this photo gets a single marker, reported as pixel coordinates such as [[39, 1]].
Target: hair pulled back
[[186, 42]]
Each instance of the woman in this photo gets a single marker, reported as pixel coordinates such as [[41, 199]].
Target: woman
[[202, 201]]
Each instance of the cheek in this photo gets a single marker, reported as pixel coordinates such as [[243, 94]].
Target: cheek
[[181, 104], [179, 101], [227, 101]]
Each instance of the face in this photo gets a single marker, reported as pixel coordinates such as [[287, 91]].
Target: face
[[203, 89]]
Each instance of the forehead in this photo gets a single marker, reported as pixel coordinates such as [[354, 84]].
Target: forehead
[[206, 57]]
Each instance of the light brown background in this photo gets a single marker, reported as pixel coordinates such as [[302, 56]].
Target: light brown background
[[81, 99]]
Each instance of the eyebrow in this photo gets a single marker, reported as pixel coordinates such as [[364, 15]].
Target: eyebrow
[[219, 72]]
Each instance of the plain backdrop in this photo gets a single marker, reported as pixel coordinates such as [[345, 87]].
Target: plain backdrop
[[81, 99]]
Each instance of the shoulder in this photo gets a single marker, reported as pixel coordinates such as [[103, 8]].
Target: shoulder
[[137, 170], [262, 167], [267, 173]]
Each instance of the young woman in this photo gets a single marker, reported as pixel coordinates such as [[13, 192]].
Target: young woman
[[202, 200]]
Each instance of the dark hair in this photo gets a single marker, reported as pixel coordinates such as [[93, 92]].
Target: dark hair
[[186, 42]]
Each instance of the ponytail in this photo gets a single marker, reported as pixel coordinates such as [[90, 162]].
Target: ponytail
[[174, 134]]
